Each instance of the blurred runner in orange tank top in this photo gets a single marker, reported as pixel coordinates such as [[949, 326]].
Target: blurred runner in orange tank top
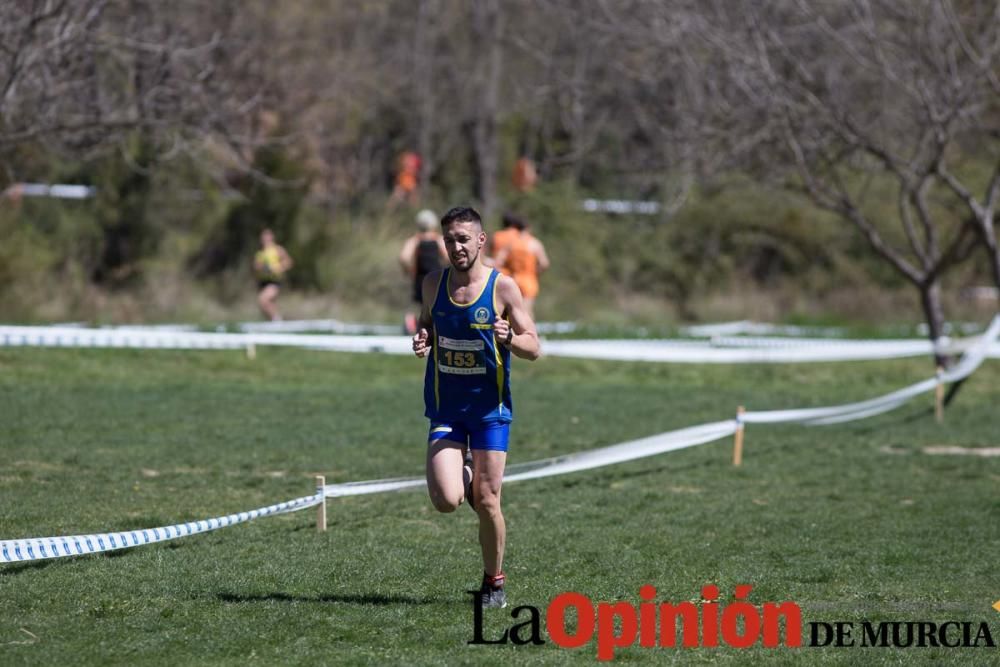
[[520, 255]]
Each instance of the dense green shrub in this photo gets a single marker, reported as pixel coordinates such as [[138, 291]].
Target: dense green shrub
[[169, 239]]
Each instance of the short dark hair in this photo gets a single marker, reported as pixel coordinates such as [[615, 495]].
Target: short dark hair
[[511, 220], [462, 214]]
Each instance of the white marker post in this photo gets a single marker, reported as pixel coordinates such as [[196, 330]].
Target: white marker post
[[321, 508], [939, 397], [738, 441]]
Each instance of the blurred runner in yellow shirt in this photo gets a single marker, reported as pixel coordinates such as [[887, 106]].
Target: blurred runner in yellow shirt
[[270, 265]]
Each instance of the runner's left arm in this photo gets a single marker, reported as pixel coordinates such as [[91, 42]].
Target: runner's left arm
[[514, 326]]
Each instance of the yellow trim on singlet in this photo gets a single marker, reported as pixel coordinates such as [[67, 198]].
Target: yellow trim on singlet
[[478, 296], [499, 358], [496, 310], [496, 348], [434, 343]]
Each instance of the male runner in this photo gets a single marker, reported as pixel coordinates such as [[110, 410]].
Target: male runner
[[472, 319]]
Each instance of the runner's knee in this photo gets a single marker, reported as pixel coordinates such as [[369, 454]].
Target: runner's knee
[[445, 503], [488, 501]]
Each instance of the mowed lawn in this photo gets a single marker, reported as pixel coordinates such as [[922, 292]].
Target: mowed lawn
[[852, 522]]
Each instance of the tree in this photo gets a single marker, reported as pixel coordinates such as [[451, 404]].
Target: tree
[[79, 77], [858, 97]]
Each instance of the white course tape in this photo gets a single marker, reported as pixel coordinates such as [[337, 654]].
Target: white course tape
[[338, 327], [899, 346], [328, 326], [13, 336], [372, 486], [29, 549], [854, 416], [56, 190], [776, 351], [129, 327], [808, 415], [757, 328], [969, 362], [765, 329], [704, 433], [39, 548], [673, 351], [561, 465], [626, 451]]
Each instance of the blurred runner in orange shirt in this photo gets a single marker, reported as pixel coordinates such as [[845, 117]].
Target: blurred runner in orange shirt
[[525, 175], [520, 255], [502, 239], [407, 179]]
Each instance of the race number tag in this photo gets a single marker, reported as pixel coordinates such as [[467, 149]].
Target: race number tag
[[461, 357]]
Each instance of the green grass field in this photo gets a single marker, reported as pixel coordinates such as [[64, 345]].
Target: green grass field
[[851, 522]]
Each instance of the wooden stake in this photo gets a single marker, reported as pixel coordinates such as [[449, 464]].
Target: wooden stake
[[939, 397], [251, 351], [738, 442], [321, 508]]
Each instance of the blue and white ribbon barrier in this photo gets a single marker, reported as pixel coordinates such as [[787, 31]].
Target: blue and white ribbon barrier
[[30, 549], [705, 433], [728, 350], [39, 548]]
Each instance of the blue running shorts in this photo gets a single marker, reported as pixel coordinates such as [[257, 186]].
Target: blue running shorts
[[491, 435]]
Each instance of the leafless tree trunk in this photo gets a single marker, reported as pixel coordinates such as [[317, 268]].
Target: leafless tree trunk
[[488, 28], [423, 77], [984, 213], [77, 77], [859, 95]]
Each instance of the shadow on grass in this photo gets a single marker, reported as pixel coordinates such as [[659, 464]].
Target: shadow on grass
[[906, 418], [346, 598], [19, 568]]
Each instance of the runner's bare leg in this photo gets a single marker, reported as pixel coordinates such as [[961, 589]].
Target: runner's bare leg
[[489, 466]]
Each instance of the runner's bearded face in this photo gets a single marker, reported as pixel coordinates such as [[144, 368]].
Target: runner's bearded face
[[463, 240]]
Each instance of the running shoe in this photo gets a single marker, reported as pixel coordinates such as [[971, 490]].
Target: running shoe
[[491, 593]]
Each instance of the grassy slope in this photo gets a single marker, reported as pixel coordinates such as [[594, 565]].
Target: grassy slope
[[850, 521]]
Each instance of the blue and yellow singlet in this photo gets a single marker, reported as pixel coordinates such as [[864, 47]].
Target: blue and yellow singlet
[[468, 373]]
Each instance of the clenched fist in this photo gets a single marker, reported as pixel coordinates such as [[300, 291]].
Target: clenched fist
[[421, 342]]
